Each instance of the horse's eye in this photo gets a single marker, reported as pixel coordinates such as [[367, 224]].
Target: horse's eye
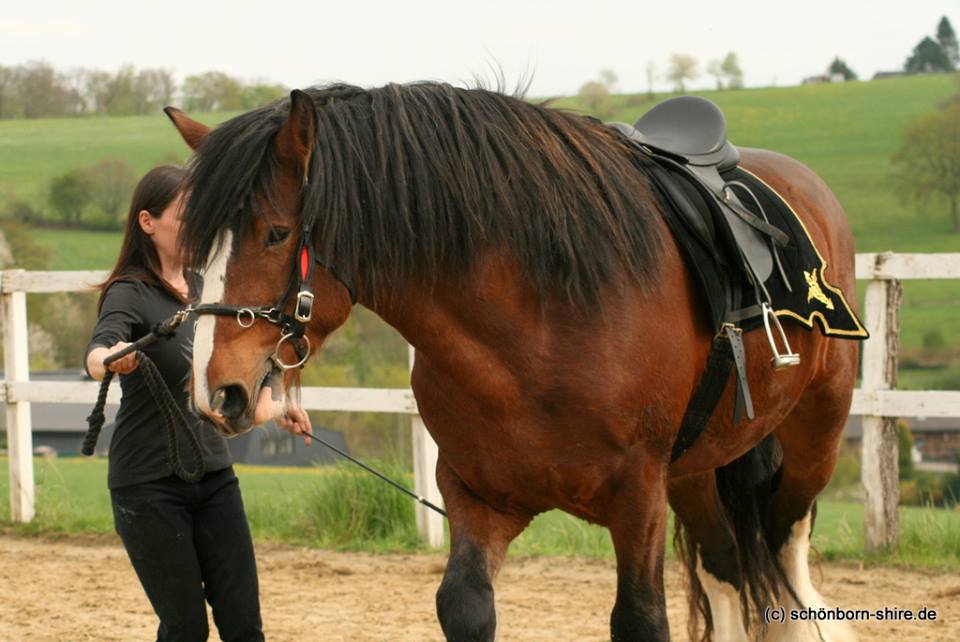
[[276, 236]]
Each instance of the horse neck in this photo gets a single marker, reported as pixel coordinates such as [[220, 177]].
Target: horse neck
[[462, 321]]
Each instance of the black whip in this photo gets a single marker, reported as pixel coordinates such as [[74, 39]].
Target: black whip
[[376, 472]]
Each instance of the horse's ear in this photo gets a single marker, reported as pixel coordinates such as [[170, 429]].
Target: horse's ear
[[193, 132], [295, 140]]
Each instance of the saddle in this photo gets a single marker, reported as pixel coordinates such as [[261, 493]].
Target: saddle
[[686, 138]]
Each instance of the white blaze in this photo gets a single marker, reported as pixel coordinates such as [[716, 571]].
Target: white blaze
[[214, 280]]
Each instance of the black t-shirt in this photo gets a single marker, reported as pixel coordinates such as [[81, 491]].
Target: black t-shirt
[[138, 450]]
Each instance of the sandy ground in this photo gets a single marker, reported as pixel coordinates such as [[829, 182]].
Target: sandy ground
[[76, 589]]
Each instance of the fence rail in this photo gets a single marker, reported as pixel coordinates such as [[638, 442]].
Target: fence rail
[[876, 399]]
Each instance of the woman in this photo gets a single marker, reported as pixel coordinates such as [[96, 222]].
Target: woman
[[188, 542]]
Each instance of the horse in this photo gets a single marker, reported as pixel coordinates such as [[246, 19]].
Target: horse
[[558, 336]]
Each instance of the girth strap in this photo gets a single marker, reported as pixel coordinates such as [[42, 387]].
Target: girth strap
[[726, 353], [713, 381]]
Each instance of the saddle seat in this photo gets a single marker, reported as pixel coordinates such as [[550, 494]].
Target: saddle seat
[[690, 127]]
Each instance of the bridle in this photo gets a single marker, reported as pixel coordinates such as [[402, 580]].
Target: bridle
[[293, 327]]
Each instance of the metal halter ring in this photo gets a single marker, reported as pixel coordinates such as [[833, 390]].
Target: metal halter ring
[[241, 315], [276, 353]]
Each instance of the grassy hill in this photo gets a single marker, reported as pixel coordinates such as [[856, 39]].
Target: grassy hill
[[845, 132]]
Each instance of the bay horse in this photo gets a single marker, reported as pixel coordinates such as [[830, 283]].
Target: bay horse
[[558, 335]]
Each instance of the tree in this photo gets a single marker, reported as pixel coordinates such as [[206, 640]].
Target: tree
[[947, 39], [928, 161], [110, 183], [928, 57], [651, 76], [97, 90], [212, 91], [42, 91], [153, 89], [608, 78], [8, 92], [69, 195], [260, 94], [121, 93], [730, 67], [595, 96], [682, 67], [715, 70], [839, 66]]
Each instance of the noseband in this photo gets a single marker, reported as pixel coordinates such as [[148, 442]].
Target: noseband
[[292, 327]]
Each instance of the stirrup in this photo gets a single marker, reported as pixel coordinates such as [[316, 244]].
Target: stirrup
[[788, 357]]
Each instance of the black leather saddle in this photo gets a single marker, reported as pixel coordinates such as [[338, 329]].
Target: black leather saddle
[[686, 138], [689, 127], [689, 133]]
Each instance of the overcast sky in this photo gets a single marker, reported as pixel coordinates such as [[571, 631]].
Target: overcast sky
[[563, 43]]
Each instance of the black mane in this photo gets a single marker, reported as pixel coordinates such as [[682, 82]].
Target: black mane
[[416, 180]]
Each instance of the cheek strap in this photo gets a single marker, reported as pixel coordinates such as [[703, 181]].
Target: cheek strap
[[303, 307]]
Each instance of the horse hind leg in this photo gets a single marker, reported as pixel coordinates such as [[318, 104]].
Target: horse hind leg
[[479, 537], [810, 437], [706, 543]]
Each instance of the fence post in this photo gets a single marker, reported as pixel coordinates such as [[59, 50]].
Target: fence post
[[429, 523], [880, 446], [16, 365]]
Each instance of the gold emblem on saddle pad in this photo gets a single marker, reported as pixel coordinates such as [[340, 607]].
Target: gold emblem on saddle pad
[[815, 292]]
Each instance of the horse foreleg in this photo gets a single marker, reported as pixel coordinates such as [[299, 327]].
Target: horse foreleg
[[479, 537], [712, 559], [638, 526]]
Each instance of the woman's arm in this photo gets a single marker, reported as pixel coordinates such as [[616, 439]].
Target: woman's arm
[[117, 325], [126, 365]]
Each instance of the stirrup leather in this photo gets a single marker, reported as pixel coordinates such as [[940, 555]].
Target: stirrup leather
[[788, 357]]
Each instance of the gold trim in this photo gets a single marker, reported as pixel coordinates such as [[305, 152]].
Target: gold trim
[[825, 325]]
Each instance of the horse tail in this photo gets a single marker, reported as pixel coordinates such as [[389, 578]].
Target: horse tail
[[745, 486], [698, 606]]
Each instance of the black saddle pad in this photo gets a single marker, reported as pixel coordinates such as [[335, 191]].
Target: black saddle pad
[[810, 296]]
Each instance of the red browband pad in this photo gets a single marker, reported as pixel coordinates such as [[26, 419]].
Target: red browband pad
[[304, 263]]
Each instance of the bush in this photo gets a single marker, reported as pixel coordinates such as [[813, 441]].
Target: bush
[[21, 211], [111, 181], [905, 456], [351, 505], [595, 97], [931, 489], [70, 194], [933, 340], [27, 253]]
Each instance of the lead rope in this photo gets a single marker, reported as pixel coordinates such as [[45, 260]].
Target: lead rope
[[172, 415]]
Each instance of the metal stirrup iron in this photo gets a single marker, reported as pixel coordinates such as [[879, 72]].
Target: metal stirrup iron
[[788, 357]]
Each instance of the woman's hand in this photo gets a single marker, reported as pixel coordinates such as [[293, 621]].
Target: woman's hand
[[124, 366], [296, 421], [127, 364]]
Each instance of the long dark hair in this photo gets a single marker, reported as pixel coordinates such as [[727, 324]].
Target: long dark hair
[[138, 256], [415, 180]]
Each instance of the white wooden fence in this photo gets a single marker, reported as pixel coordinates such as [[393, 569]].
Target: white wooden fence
[[876, 400]]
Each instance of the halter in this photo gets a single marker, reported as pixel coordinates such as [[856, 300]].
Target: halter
[[292, 327]]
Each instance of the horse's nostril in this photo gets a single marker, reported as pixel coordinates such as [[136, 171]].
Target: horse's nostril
[[230, 401]]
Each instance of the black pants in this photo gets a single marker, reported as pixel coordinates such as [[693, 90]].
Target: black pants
[[189, 543]]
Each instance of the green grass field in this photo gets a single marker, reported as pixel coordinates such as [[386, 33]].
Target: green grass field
[[32, 152], [336, 507]]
